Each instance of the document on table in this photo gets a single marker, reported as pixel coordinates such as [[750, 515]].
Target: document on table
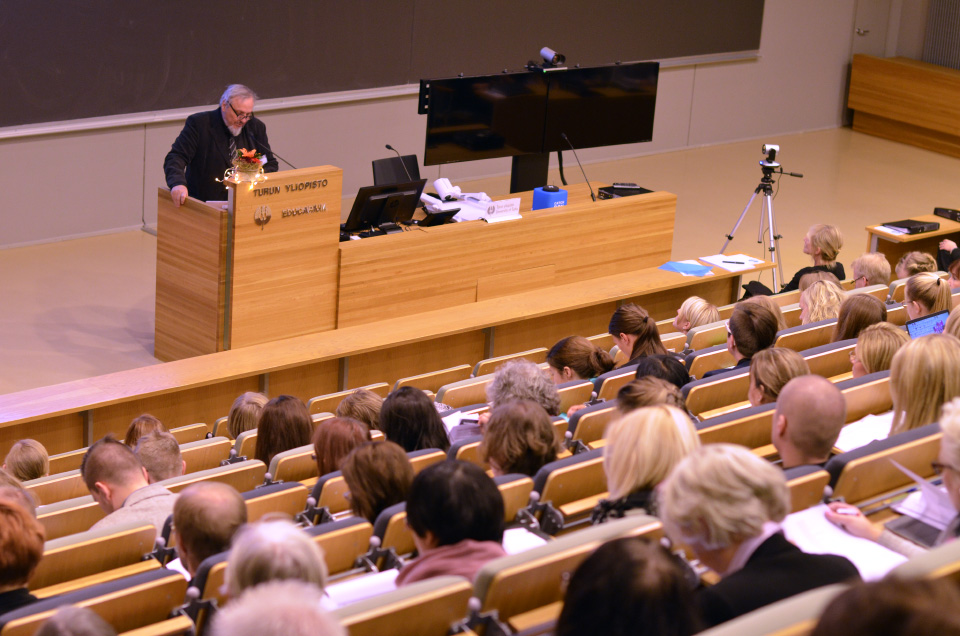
[[810, 531], [687, 268], [931, 505], [732, 262]]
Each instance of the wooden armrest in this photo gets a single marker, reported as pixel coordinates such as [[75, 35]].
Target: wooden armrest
[[543, 617]]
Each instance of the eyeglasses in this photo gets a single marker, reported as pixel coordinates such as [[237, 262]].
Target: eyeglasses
[[859, 278], [240, 116], [726, 323], [938, 468]]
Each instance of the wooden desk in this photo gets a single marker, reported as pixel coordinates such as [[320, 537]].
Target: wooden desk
[[201, 389], [907, 101], [894, 246]]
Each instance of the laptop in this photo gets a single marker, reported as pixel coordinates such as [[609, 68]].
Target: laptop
[[909, 226], [934, 323]]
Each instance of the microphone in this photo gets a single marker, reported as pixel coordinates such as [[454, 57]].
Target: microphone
[[566, 139], [389, 147], [260, 141]]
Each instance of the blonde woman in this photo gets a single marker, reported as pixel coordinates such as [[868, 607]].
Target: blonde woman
[[27, 460], [876, 346], [924, 375], [854, 522], [695, 312], [770, 371], [820, 301], [726, 505], [245, 413], [926, 294], [822, 243], [642, 448], [915, 263]]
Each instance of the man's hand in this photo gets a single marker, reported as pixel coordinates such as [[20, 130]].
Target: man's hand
[[178, 194]]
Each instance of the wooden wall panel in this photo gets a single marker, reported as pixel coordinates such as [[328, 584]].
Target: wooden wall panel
[[191, 244], [284, 279], [306, 381], [203, 404], [545, 332], [58, 434], [389, 365], [664, 304], [441, 265]]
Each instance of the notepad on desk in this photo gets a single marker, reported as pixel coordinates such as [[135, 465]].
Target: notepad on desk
[[732, 262]]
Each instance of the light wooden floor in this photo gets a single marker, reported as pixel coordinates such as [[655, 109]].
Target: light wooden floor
[[85, 307]]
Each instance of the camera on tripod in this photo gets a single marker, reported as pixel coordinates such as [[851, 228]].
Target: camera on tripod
[[770, 160]]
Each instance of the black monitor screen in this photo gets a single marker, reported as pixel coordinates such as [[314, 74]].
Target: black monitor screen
[[601, 106], [486, 117], [391, 203]]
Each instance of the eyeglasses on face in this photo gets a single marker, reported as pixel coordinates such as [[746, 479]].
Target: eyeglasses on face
[[240, 116], [938, 468]]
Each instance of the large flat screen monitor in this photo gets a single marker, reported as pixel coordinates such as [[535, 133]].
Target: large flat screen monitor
[[376, 205]]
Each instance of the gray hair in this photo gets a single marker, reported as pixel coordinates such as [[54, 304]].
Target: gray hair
[[523, 380], [272, 551], [277, 608], [721, 495], [235, 91], [75, 621]]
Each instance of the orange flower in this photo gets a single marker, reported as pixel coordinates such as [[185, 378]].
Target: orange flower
[[248, 154]]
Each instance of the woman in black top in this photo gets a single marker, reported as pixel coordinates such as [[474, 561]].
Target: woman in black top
[[822, 243]]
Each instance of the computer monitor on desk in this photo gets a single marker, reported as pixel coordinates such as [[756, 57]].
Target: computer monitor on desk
[[376, 205]]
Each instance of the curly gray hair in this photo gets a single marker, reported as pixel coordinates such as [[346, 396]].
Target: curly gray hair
[[523, 380]]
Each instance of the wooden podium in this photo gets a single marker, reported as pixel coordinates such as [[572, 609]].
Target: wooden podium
[[261, 268]]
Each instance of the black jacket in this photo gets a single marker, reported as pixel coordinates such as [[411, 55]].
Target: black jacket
[[794, 284], [201, 154], [775, 571]]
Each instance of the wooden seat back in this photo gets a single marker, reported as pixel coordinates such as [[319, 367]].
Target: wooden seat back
[[575, 393], [831, 363], [751, 430], [176, 626], [69, 517], [57, 487], [433, 380], [296, 464], [709, 335], [289, 501], [205, 453], [471, 453], [246, 444], [814, 336], [602, 340], [92, 552], [516, 495], [333, 495], [897, 315], [243, 476], [465, 392], [674, 341], [190, 433], [398, 535], [424, 608], [489, 365], [613, 382], [574, 482], [869, 398], [329, 402], [63, 462], [342, 546], [723, 392], [867, 477], [807, 491], [705, 362], [590, 426]]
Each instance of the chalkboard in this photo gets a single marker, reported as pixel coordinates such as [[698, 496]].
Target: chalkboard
[[71, 59]]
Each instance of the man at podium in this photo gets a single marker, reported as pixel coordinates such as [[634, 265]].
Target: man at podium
[[208, 143]]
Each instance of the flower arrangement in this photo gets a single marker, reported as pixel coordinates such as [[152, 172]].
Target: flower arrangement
[[248, 160]]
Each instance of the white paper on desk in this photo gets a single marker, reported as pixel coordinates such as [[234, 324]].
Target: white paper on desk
[[731, 262], [454, 419], [931, 505], [869, 429], [896, 231], [810, 531], [694, 262], [359, 588]]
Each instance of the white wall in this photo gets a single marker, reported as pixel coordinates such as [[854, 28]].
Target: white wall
[[82, 183]]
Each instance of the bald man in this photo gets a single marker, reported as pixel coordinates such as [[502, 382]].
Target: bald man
[[810, 413], [206, 517]]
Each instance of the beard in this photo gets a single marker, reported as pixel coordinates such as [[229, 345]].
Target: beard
[[234, 130]]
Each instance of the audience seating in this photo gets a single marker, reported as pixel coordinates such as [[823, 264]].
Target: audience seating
[[424, 608], [574, 392], [128, 603], [296, 464], [190, 433], [610, 382], [489, 365], [205, 453], [468, 450], [317, 418], [717, 391], [564, 482], [791, 315], [57, 487], [748, 427], [709, 359], [830, 360], [515, 490], [709, 335], [243, 476], [807, 336], [209, 581], [63, 462], [220, 427], [328, 403], [866, 395], [330, 492], [246, 444], [465, 392], [92, 552], [794, 616], [867, 472], [342, 541], [392, 530], [880, 292], [289, 498], [806, 484], [602, 340], [179, 625], [674, 342], [69, 516], [435, 379], [532, 579], [589, 424], [942, 561], [897, 314]]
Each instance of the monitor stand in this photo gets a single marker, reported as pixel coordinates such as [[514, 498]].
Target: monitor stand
[[529, 172]]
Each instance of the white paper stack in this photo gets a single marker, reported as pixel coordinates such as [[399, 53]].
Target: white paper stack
[[732, 262]]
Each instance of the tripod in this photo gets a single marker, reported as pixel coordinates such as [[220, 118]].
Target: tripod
[[767, 219]]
